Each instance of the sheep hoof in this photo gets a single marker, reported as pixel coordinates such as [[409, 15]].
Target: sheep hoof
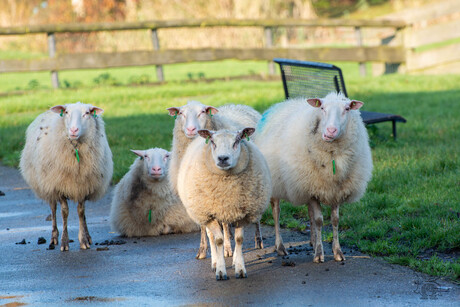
[[51, 246], [241, 274], [259, 244], [281, 250], [221, 276], [338, 256], [318, 259], [201, 253], [228, 252], [64, 248]]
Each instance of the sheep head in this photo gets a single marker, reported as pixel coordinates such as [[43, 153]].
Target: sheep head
[[335, 109], [155, 160], [226, 145], [77, 118], [192, 117]]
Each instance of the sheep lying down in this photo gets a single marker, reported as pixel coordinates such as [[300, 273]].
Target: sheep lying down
[[143, 202], [67, 157], [223, 178]]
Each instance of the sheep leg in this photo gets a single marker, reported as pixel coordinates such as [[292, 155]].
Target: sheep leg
[[312, 225], [259, 243], [338, 254], [65, 234], [215, 229], [238, 259], [318, 223], [203, 245], [279, 246], [83, 233], [212, 243], [227, 243], [55, 231]]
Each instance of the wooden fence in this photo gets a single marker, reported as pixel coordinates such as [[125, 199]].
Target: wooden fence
[[57, 62]]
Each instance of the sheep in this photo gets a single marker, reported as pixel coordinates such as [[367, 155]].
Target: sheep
[[143, 203], [224, 180], [188, 120], [67, 157], [318, 152]]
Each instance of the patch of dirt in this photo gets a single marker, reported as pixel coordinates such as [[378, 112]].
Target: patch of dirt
[[111, 242], [41, 240]]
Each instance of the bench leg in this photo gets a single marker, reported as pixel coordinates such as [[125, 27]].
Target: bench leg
[[394, 130]]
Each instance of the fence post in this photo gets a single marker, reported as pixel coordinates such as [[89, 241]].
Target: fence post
[[156, 46], [359, 39], [269, 44], [52, 54]]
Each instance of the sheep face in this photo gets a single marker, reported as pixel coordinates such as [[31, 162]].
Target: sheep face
[[335, 109], [156, 162], [77, 117], [192, 117], [226, 146]]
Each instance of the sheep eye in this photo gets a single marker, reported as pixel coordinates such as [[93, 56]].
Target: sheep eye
[[347, 108]]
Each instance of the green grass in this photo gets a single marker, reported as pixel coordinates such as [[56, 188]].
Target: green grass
[[412, 205]]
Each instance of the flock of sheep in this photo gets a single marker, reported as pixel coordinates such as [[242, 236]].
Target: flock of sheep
[[225, 166]]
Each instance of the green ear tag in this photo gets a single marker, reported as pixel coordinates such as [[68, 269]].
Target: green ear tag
[[150, 216], [207, 140], [175, 115], [95, 114], [247, 137], [210, 112], [333, 167], [316, 103], [62, 112], [77, 156]]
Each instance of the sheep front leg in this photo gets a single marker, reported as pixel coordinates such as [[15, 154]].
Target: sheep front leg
[[203, 244], [338, 254], [279, 246], [227, 243], [259, 243], [214, 228], [83, 233], [238, 259], [55, 231], [212, 243], [318, 224], [65, 234], [312, 225]]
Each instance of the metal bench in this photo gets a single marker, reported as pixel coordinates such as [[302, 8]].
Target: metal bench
[[314, 80]]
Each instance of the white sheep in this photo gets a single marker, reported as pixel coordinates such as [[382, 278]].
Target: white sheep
[[224, 179], [143, 203], [318, 152], [67, 157], [195, 116]]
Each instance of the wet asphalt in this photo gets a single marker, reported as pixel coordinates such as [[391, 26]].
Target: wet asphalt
[[163, 271]]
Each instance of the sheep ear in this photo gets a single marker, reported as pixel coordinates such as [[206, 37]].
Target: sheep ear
[[98, 110], [314, 102], [140, 153], [355, 104], [212, 110], [58, 109], [205, 133], [246, 132], [173, 111]]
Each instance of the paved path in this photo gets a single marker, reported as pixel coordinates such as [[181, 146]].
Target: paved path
[[163, 270]]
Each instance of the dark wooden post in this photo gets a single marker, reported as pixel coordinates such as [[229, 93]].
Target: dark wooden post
[[156, 46], [269, 44], [359, 39], [52, 54]]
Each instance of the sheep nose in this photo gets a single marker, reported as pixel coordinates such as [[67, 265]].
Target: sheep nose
[[156, 170], [74, 130], [331, 130], [223, 159], [191, 130]]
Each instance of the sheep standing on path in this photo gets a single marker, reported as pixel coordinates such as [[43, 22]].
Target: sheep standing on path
[[224, 179], [67, 157], [318, 152], [143, 203], [195, 116]]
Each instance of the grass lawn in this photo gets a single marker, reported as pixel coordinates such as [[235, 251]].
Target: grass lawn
[[411, 212]]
